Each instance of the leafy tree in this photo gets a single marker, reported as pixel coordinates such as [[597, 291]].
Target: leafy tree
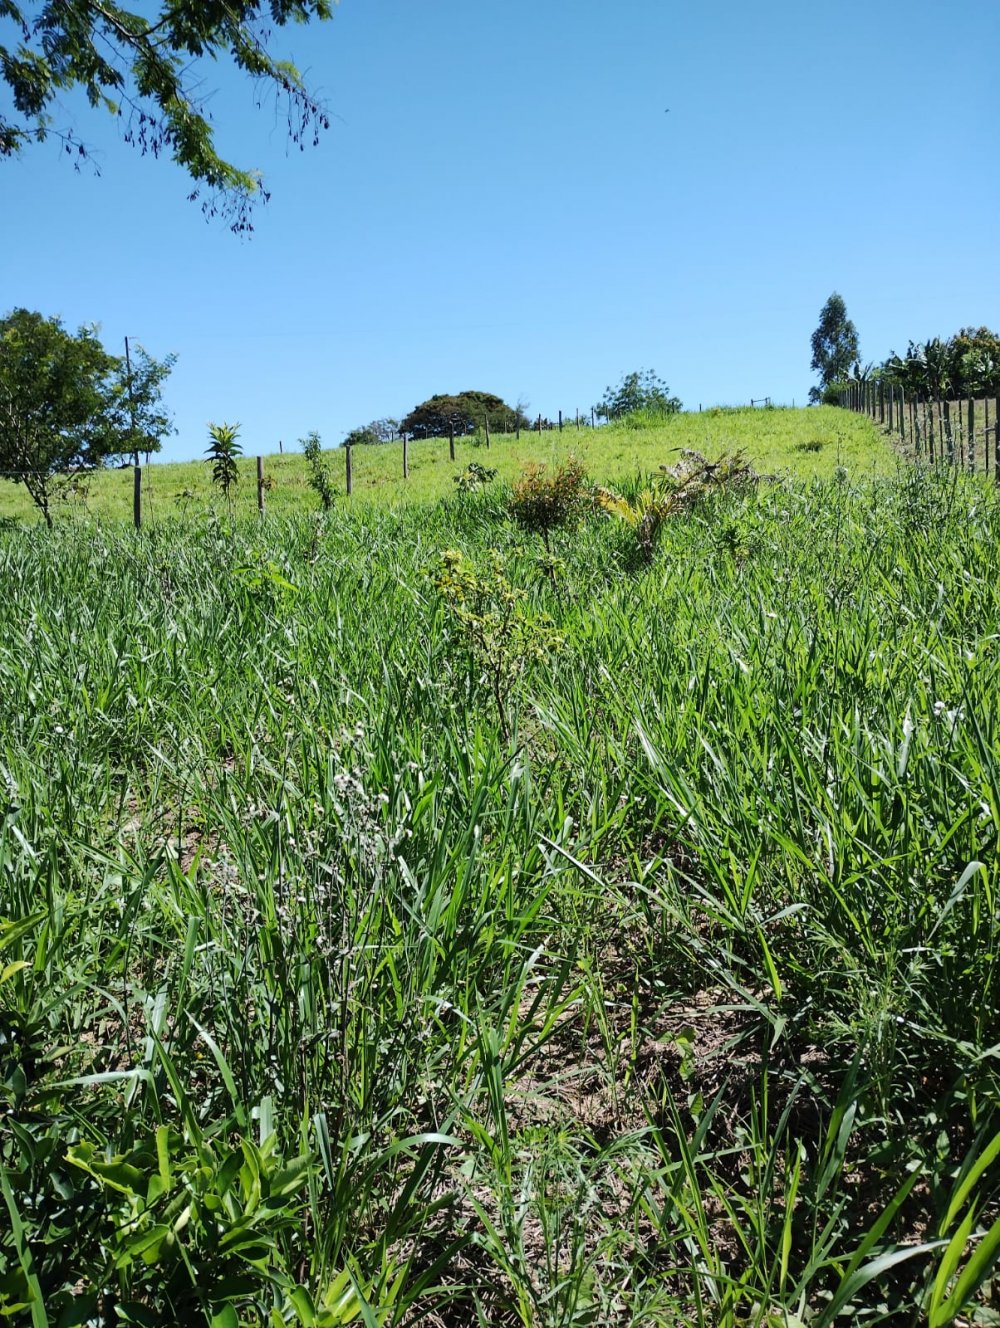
[[834, 346], [222, 453], [66, 404], [149, 70], [378, 431], [463, 411], [142, 381], [975, 357], [385, 429], [640, 390], [363, 436]]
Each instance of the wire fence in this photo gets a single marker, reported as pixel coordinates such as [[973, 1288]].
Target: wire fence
[[155, 490], [963, 432], [158, 488]]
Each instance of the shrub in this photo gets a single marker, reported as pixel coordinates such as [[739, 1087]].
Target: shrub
[[500, 638], [543, 502], [319, 474], [474, 476]]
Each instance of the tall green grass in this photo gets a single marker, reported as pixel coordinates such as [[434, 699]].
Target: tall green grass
[[321, 1000]]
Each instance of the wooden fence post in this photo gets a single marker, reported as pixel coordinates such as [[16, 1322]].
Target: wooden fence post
[[260, 485], [451, 440], [929, 421], [996, 439], [972, 433], [350, 471], [539, 424], [986, 435], [486, 422], [593, 422], [560, 421], [137, 496], [406, 459]]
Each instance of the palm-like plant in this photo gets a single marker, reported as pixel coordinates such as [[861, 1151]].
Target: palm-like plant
[[222, 453]]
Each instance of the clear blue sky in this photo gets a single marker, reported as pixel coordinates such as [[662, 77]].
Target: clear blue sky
[[502, 203]]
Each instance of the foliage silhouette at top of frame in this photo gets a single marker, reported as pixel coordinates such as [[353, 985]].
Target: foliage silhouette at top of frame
[[149, 73]]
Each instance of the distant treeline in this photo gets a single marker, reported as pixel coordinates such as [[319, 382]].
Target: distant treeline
[[964, 366]]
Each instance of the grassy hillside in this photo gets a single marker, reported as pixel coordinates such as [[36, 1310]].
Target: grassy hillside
[[802, 443], [581, 940]]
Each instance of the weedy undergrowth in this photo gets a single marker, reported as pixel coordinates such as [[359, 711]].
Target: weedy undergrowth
[[675, 489]]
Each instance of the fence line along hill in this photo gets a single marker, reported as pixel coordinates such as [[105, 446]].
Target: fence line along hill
[[800, 442]]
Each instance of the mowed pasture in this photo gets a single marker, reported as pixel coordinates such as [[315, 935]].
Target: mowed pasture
[[600, 942], [802, 443]]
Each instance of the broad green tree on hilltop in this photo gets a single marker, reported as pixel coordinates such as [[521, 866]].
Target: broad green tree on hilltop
[[148, 69], [834, 346], [67, 404], [464, 412]]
